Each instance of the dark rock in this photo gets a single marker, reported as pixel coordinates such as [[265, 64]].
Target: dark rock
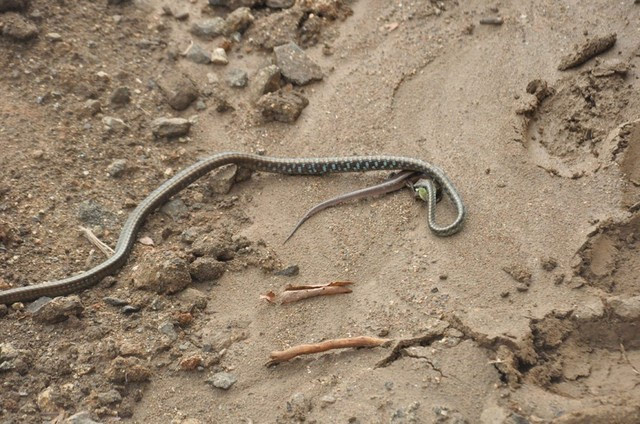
[[179, 91], [289, 271], [234, 4], [222, 380], [83, 417], [92, 213], [206, 269], [162, 272], [114, 301], [237, 78], [295, 65], [130, 309], [549, 264], [209, 28], [121, 96], [6, 5], [18, 27], [168, 329], [283, 105], [170, 127], [58, 309]]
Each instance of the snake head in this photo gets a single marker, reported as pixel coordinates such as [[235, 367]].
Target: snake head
[[421, 189]]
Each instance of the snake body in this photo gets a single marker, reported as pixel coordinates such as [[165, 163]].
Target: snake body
[[303, 166]]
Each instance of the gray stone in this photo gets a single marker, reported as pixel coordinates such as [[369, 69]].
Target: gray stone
[[130, 309], [222, 380], [114, 124], [168, 329], [190, 234], [267, 80], [213, 245], [58, 309], [209, 28], [175, 208], [289, 271], [237, 78], [198, 55], [276, 29], [82, 417], [117, 168], [121, 96], [206, 269], [282, 105], [279, 4], [92, 213], [222, 179], [295, 65], [219, 56], [170, 127], [37, 304], [239, 20]]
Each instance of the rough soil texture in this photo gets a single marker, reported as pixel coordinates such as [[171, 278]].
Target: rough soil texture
[[530, 314]]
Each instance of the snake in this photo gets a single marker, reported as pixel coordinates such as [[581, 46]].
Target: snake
[[287, 166]]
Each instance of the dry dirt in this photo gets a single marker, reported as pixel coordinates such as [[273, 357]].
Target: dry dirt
[[529, 314]]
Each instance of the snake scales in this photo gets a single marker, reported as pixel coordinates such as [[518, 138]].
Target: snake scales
[[305, 166]]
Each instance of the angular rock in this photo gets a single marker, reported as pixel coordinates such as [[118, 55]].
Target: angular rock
[[178, 90], [206, 269], [193, 298], [128, 370], [170, 127], [219, 56], [114, 124], [222, 179], [18, 28], [290, 271], [117, 168], [198, 55], [121, 96], [237, 78], [162, 272], [283, 105], [209, 28], [109, 397], [267, 80], [295, 65], [239, 20], [222, 380], [175, 208], [58, 309]]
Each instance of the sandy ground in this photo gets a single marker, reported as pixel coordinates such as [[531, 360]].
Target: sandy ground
[[529, 314]]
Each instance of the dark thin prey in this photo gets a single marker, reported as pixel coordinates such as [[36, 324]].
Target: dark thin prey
[[185, 177], [392, 184]]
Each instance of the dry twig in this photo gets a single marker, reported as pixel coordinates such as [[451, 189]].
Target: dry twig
[[306, 349], [97, 242]]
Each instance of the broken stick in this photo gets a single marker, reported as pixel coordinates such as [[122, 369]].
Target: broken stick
[[306, 349]]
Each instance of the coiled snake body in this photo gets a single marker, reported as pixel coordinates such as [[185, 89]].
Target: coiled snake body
[[306, 166]]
